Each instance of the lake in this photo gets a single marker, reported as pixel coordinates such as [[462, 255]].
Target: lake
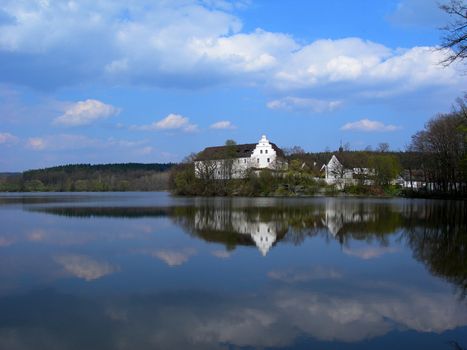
[[151, 271]]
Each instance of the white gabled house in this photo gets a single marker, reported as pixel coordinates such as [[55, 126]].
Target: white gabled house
[[234, 161], [335, 173]]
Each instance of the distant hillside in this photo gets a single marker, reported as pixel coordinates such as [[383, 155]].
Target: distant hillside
[[9, 174], [87, 177]]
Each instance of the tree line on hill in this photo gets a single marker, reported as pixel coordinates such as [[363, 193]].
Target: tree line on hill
[[87, 177]]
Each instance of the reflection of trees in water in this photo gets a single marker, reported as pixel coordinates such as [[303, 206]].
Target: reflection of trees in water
[[362, 220], [436, 231], [439, 240], [335, 219], [108, 212]]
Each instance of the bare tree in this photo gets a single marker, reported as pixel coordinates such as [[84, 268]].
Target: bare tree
[[383, 147], [293, 150], [206, 169], [454, 41], [444, 145], [461, 106]]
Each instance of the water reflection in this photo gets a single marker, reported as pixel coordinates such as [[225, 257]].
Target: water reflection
[[232, 226], [439, 240], [200, 320], [436, 231], [85, 267], [320, 273]]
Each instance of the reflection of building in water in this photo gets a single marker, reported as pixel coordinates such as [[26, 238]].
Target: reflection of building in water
[[264, 237], [339, 213], [263, 234]]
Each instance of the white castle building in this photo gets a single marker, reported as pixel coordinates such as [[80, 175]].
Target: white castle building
[[234, 161]]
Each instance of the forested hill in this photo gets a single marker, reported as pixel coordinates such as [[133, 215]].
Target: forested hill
[[87, 177]]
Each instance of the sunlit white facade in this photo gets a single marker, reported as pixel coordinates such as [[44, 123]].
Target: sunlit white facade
[[234, 162]]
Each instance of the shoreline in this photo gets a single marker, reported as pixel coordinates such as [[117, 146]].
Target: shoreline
[[317, 195]]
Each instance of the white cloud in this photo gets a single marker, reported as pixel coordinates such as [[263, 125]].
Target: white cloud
[[221, 254], [84, 267], [145, 150], [62, 142], [367, 125], [315, 273], [36, 143], [174, 257], [223, 124], [171, 122], [86, 112], [354, 67], [5, 242], [367, 253], [253, 52], [353, 318], [307, 104], [190, 43], [7, 138]]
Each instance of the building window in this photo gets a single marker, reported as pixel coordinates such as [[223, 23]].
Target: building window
[[268, 160], [266, 151], [218, 172], [261, 151], [257, 160], [244, 161]]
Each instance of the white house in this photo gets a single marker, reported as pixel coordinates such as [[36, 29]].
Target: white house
[[335, 173], [233, 161]]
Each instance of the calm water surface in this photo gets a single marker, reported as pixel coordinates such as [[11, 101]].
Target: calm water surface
[[149, 271]]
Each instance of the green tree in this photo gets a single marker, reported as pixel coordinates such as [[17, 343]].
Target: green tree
[[386, 168], [34, 186]]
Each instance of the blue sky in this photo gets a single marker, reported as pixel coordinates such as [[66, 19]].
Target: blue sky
[[153, 81]]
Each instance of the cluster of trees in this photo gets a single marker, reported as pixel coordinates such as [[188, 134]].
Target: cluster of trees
[[440, 150], [87, 177]]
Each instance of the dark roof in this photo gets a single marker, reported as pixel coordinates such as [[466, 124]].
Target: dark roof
[[351, 159], [235, 151]]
